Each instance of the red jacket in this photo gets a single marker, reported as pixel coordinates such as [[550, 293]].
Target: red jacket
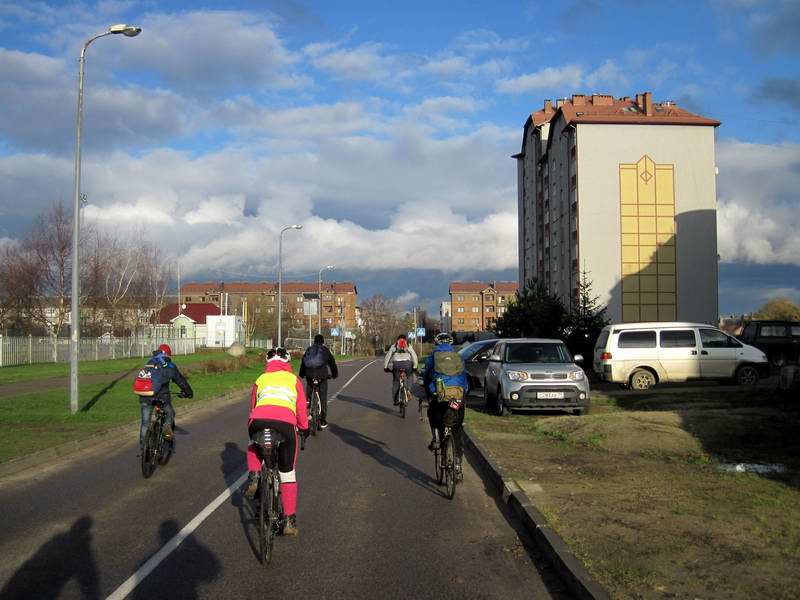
[[278, 411]]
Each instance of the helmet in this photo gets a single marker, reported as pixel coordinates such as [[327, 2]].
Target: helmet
[[279, 354], [443, 338], [165, 349], [402, 344]]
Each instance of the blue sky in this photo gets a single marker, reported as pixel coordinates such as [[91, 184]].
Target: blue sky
[[385, 128]]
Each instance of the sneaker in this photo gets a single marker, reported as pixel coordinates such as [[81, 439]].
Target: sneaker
[[434, 445], [290, 526], [323, 424], [251, 485]]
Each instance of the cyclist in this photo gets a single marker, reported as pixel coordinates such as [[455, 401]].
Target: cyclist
[[278, 402], [446, 384], [167, 371], [317, 360], [400, 357]]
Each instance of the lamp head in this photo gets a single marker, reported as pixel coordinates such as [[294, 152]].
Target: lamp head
[[126, 30], [297, 226]]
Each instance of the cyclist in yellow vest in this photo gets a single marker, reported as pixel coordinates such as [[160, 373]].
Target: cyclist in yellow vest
[[278, 402]]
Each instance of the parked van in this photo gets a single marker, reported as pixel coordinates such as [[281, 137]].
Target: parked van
[[641, 355]]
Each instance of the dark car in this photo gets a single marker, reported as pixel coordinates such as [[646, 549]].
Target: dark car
[[475, 357], [779, 340]]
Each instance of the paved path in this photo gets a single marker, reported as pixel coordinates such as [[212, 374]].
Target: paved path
[[373, 523]]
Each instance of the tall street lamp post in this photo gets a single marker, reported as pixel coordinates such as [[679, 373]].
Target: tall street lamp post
[[319, 316], [75, 316], [280, 279]]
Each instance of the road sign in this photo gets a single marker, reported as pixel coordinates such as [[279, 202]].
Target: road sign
[[410, 335], [334, 332], [420, 332]]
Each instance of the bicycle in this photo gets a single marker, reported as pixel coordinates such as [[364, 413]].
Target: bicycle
[[445, 462], [270, 508], [402, 394], [314, 407], [156, 449]]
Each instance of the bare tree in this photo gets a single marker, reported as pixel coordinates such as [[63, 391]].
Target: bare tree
[[149, 290], [123, 261], [380, 320]]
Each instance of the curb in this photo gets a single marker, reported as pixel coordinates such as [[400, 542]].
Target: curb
[[16, 465], [567, 565]]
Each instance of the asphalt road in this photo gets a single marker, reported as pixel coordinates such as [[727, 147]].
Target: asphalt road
[[373, 522]]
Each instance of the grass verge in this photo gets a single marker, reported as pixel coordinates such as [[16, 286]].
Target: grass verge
[[637, 490], [34, 421]]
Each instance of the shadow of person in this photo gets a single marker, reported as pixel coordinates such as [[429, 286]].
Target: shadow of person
[[375, 450], [180, 575], [368, 404], [63, 557], [234, 460]]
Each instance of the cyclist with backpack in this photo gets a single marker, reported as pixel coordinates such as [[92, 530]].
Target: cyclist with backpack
[[400, 357], [447, 385], [317, 361], [278, 402], [152, 385]]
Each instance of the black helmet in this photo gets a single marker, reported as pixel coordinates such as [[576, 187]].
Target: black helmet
[[280, 354], [443, 338]]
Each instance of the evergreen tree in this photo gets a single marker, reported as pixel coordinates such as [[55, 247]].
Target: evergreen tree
[[586, 319], [534, 313]]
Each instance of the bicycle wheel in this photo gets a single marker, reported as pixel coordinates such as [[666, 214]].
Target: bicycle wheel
[[149, 453], [164, 449], [402, 400], [315, 413], [266, 533], [449, 466], [437, 462]]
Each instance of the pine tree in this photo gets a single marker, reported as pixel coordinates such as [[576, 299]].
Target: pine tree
[[535, 313], [586, 320]]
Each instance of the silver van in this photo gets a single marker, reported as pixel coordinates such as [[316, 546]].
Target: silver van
[[640, 355]]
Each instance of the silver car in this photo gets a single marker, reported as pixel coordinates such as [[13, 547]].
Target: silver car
[[535, 374]]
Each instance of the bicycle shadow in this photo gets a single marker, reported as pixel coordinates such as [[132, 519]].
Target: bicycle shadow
[[233, 459], [375, 450], [363, 402]]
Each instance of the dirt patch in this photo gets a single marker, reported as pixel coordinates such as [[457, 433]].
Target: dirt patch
[[639, 497]]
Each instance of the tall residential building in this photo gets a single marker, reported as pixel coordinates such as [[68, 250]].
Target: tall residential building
[[623, 189], [476, 305], [339, 300], [445, 317]]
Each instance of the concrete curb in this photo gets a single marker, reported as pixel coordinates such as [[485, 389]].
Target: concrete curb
[[567, 565], [42, 457]]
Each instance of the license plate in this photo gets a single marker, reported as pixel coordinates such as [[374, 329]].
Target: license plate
[[550, 395]]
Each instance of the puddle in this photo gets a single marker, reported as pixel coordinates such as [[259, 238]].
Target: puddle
[[759, 468]]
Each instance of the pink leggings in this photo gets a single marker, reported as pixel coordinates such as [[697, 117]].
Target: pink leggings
[[287, 459]]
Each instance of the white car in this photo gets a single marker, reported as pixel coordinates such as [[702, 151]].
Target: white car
[[640, 355]]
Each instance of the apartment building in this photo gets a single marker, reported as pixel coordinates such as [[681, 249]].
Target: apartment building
[[339, 300], [476, 305], [623, 189], [445, 317]]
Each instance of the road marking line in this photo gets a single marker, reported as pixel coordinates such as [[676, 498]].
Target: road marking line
[[349, 381], [148, 567]]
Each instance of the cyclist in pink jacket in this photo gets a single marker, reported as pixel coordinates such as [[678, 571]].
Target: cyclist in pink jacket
[[278, 402]]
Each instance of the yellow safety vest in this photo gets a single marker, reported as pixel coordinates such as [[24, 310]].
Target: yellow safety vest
[[278, 388]]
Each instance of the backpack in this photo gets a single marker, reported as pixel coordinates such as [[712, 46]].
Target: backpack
[[149, 381], [314, 358], [448, 363]]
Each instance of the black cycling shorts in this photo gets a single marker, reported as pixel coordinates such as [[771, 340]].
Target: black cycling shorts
[[287, 451]]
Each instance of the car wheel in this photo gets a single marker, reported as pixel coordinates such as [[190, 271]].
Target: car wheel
[[747, 375], [642, 379]]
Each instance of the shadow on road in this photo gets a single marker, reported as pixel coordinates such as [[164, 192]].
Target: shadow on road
[[106, 389], [375, 450], [63, 557], [180, 575], [234, 459], [369, 404]]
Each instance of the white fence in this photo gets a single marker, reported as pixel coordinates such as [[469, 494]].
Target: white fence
[[30, 349]]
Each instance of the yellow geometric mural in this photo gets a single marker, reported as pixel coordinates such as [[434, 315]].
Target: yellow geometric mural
[[647, 213]]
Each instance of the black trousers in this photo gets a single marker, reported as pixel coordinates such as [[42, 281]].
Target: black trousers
[[287, 451], [436, 411], [323, 395]]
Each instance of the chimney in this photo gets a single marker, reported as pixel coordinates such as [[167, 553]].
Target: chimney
[[640, 102], [560, 102], [648, 104], [548, 106], [578, 99]]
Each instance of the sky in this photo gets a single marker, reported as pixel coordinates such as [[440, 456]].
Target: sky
[[385, 129]]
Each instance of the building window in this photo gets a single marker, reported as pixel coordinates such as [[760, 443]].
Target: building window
[[490, 298], [183, 331], [476, 309], [459, 298], [476, 321], [299, 299], [461, 321], [490, 309], [460, 309], [188, 298], [476, 298]]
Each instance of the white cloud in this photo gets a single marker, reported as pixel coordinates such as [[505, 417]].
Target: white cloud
[[406, 298], [562, 79], [608, 78], [758, 220], [366, 62]]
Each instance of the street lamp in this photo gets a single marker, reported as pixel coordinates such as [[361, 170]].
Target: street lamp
[[75, 314], [280, 277], [319, 301]]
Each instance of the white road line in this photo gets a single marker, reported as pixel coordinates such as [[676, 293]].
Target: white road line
[[349, 381], [148, 567]]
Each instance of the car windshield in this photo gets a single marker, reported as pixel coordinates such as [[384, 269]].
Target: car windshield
[[537, 352], [468, 352]]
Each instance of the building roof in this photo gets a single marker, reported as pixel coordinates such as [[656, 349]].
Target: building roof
[[266, 287], [479, 286], [196, 312]]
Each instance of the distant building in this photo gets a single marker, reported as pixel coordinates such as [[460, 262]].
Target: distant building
[[624, 189], [445, 316], [476, 305], [339, 300], [174, 321]]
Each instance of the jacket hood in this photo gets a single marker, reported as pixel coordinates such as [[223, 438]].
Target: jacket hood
[[277, 365]]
